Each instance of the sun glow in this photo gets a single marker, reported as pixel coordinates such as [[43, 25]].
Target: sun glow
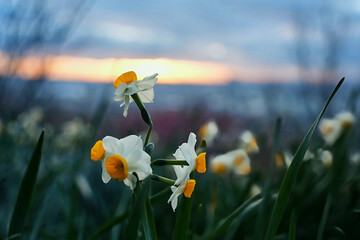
[[172, 71]]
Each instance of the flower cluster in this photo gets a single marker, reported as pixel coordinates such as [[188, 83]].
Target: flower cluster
[[125, 159], [331, 129], [236, 161]]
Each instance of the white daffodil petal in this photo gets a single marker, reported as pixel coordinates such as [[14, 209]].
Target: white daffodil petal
[[104, 176], [151, 78], [130, 181], [119, 92], [139, 162], [192, 140], [177, 191], [178, 155], [146, 84], [131, 143], [182, 172], [189, 157], [126, 106], [131, 89], [110, 144], [147, 96]]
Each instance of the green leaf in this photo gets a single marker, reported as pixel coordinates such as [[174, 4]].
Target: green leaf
[[262, 216], [148, 221], [119, 219], [324, 217], [26, 189], [225, 222], [109, 224], [292, 228], [291, 173], [131, 229], [340, 232], [183, 219]]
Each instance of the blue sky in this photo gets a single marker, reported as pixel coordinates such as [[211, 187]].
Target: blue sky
[[249, 34]]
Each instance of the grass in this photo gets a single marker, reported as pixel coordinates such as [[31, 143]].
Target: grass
[[61, 195]]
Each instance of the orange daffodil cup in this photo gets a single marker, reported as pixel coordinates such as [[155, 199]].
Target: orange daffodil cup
[[128, 159]]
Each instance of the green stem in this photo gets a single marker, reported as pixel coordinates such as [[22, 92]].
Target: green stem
[[163, 179], [162, 162], [145, 116]]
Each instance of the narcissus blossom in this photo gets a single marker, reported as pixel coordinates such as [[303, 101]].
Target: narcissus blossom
[[209, 131], [121, 158], [187, 152], [325, 157], [248, 142], [184, 185], [236, 161], [127, 84], [331, 129], [283, 158]]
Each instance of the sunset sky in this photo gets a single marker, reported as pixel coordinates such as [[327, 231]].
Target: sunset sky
[[194, 42]]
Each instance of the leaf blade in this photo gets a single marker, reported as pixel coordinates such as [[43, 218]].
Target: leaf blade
[[292, 171], [26, 189]]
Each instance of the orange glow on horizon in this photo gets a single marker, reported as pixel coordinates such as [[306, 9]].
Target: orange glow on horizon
[[171, 71]]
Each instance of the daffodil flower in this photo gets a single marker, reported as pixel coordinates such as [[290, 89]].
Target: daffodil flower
[[208, 132], [326, 157], [121, 158], [127, 84], [241, 162], [283, 158], [222, 164], [248, 142], [185, 185], [236, 161], [187, 152], [331, 129]]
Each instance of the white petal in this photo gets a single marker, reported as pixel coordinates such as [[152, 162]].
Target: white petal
[[147, 83], [189, 154], [131, 143], [177, 191], [111, 144], [151, 78], [130, 181], [119, 92], [105, 176], [147, 96], [139, 162], [126, 106], [178, 155], [182, 174], [192, 140], [131, 89]]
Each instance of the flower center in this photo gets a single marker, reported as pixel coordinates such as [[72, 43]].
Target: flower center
[[327, 129], [116, 167], [126, 78], [201, 163], [238, 160], [219, 168], [279, 159], [97, 151], [189, 188]]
